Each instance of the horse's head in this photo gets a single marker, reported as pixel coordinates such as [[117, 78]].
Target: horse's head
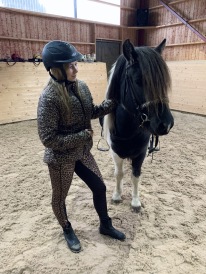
[[145, 90]]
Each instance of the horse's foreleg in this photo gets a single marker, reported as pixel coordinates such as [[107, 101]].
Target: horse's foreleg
[[118, 173], [136, 204], [136, 173]]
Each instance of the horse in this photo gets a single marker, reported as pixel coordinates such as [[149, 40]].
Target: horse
[[139, 81]]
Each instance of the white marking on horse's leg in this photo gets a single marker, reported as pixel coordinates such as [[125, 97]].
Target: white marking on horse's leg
[[118, 173], [118, 162], [108, 124], [135, 194]]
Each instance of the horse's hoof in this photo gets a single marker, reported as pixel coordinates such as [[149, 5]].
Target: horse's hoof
[[136, 209]]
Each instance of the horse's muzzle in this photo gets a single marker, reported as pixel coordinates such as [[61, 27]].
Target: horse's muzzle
[[164, 128]]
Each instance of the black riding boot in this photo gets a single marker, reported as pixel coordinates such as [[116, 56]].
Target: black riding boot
[[106, 228], [72, 240]]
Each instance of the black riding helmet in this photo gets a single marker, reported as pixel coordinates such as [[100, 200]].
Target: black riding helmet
[[56, 53]]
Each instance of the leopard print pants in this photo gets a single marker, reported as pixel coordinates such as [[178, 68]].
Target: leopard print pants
[[61, 177]]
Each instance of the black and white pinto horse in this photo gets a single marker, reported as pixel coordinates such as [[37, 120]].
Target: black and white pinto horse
[[139, 81]]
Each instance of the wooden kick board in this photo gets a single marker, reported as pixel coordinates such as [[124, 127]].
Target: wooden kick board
[[188, 86], [22, 83]]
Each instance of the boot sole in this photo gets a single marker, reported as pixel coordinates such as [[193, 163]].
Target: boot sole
[[105, 234], [75, 251]]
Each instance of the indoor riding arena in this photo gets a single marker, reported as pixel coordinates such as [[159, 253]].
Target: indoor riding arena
[[168, 234]]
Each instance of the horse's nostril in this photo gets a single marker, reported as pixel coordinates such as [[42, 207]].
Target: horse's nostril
[[163, 128]]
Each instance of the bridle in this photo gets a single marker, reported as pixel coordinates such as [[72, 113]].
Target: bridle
[[139, 107], [139, 110]]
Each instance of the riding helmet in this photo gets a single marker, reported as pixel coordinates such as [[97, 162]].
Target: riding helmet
[[57, 52]]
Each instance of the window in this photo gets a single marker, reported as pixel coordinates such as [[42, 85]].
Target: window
[[60, 7], [105, 11], [100, 12]]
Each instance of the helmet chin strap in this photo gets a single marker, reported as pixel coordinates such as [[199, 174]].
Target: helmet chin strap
[[67, 82]]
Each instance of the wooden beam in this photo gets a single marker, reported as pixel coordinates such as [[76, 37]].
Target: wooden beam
[[143, 27], [182, 44], [171, 3], [183, 21], [185, 44], [168, 25], [39, 40], [107, 39]]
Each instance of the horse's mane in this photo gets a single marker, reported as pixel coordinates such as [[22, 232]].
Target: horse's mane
[[155, 75], [115, 75]]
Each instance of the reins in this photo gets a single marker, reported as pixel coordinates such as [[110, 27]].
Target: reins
[[153, 143]]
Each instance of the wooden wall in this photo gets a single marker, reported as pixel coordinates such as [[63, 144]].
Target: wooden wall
[[188, 86], [185, 51], [128, 12], [182, 43], [25, 33], [22, 84]]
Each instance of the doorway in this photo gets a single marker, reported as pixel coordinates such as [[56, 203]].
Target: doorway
[[107, 52]]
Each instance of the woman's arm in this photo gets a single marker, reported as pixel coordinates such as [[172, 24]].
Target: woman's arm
[[104, 108], [48, 130]]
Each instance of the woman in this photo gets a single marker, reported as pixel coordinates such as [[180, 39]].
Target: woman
[[64, 114]]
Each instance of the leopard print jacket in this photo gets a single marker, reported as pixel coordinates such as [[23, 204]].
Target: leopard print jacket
[[66, 139]]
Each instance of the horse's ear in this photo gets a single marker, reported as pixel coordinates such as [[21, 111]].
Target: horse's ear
[[161, 46], [129, 51]]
